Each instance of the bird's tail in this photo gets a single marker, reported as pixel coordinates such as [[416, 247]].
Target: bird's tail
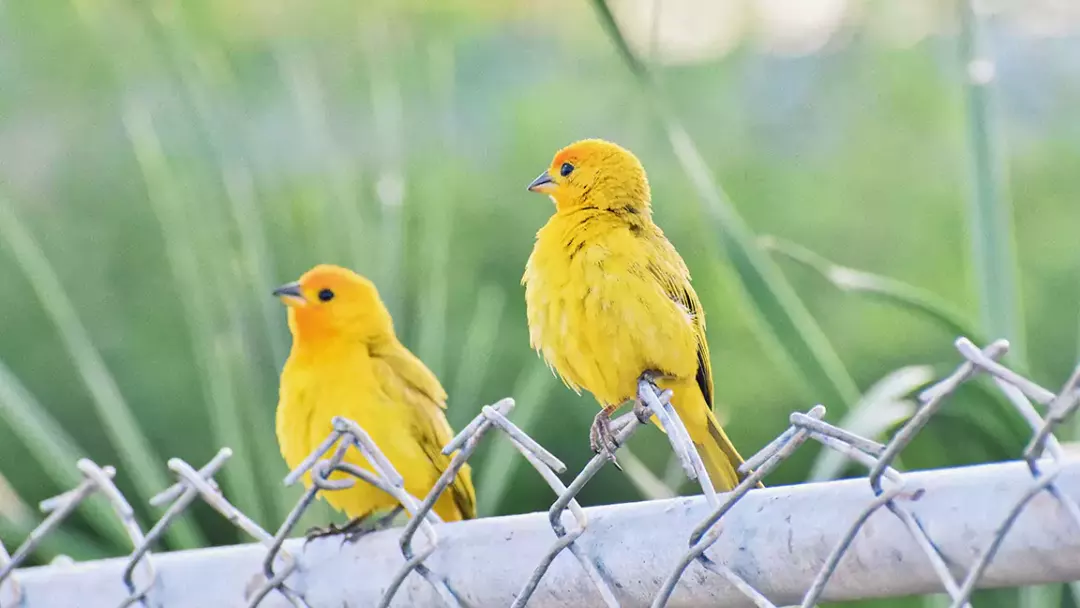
[[719, 455]]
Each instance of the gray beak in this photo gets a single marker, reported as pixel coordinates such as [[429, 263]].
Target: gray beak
[[289, 290], [543, 179]]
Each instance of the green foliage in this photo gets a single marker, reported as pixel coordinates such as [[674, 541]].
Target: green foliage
[[787, 325], [165, 166], [55, 451], [891, 291], [990, 210], [127, 438]]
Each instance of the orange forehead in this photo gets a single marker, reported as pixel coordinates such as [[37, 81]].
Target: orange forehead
[[565, 155], [589, 149], [327, 275]]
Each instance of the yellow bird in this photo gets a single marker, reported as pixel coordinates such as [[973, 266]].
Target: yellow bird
[[609, 300], [346, 361]]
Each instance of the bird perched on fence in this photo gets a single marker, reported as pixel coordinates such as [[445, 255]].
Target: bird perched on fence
[[609, 300], [347, 361]]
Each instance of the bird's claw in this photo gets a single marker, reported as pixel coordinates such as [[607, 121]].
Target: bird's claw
[[602, 439], [651, 376], [369, 525], [355, 529], [352, 533], [642, 411], [317, 532]]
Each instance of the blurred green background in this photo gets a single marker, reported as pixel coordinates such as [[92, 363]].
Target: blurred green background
[[164, 165]]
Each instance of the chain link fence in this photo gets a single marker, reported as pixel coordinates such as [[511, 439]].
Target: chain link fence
[[891, 533]]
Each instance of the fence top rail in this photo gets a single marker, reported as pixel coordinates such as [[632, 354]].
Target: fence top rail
[[775, 538], [889, 533]]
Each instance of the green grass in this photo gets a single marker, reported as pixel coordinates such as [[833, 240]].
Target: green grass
[[165, 166], [786, 324], [497, 472], [890, 291], [54, 450], [990, 210], [133, 447]]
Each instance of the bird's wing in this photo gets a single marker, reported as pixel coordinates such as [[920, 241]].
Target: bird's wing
[[671, 274], [405, 377], [412, 374]]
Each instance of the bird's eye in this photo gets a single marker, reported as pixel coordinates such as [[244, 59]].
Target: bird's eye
[[566, 169], [326, 295]]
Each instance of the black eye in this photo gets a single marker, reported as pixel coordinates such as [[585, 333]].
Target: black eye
[[566, 169], [326, 295]]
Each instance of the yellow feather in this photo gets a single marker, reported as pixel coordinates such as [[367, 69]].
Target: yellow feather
[[608, 297], [346, 361]]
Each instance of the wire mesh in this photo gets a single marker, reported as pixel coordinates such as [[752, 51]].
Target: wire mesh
[[892, 491]]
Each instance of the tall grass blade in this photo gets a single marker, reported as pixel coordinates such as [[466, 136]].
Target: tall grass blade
[[193, 289], [256, 406], [60, 541], [473, 362], [200, 68], [890, 290], [12, 506], [881, 407], [247, 419], [990, 211], [137, 456], [257, 260], [171, 30], [674, 475], [1076, 420], [643, 479], [993, 241], [387, 114], [775, 302], [495, 474], [53, 449], [257, 270], [18, 520], [997, 418], [437, 217], [340, 234], [1041, 596], [433, 298]]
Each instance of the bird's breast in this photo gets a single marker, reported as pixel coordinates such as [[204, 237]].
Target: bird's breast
[[344, 382], [589, 306], [317, 388]]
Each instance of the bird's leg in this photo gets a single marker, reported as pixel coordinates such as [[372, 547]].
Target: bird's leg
[[358, 528], [641, 410], [601, 438], [330, 530]]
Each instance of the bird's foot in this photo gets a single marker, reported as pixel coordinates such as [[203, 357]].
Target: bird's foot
[[642, 411], [601, 437], [356, 528], [330, 530], [369, 525], [651, 376]]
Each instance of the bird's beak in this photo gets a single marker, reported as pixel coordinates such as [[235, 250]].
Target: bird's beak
[[542, 184], [290, 294]]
